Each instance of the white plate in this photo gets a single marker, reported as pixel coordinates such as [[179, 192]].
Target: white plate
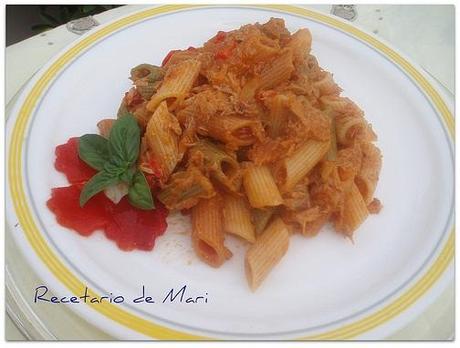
[[325, 287]]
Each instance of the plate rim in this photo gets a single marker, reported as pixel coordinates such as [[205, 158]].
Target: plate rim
[[33, 93]]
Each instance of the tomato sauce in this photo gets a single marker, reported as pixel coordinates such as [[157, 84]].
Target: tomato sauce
[[226, 52], [133, 98], [129, 227], [220, 36]]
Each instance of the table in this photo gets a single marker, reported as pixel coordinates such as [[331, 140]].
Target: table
[[431, 45]]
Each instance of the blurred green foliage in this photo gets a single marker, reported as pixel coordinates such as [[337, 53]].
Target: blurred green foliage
[[55, 15]]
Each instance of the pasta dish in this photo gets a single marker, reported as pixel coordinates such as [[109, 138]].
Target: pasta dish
[[246, 134]]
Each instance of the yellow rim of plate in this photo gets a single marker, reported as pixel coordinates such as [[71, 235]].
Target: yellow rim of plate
[[35, 238]]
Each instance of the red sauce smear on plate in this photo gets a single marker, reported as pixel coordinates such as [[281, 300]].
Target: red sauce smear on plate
[[129, 227]]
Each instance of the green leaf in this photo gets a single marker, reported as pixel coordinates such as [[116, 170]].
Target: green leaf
[[128, 175], [119, 162], [88, 8], [96, 184], [115, 169], [49, 19], [124, 139], [64, 13], [139, 194], [94, 150]]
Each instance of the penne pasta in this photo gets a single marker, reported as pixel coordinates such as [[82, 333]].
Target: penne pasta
[[142, 115], [207, 232], [368, 174], [332, 153], [350, 128], [279, 71], [176, 83], [261, 218], [301, 44], [326, 85], [294, 168], [259, 47], [221, 165], [266, 252], [260, 187], [339, 105], [233, 130], [354, 212], [237, 218], [249, 89], [162, 137], [278, 115]]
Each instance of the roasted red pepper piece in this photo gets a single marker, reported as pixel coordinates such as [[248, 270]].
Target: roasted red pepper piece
[[68, 162]]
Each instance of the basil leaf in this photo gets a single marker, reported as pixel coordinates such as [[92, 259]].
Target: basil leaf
[[128, 175], [96, 184], [119, 162], [93, 150], [114, 169], [124, 139], [139, 194]]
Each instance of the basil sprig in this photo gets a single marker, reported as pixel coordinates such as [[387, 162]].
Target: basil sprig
[[115, 159], [124, 140], [137, 194], [93, 150]]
